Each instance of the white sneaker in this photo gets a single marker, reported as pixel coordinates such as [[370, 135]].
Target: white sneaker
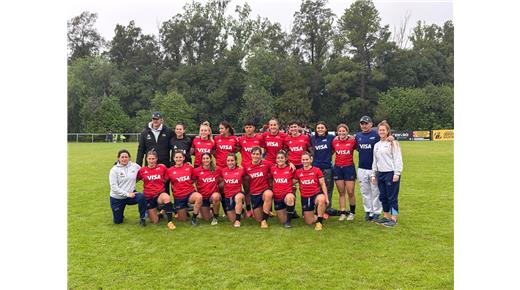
[[350, 217], [342, 217], [214, 221]]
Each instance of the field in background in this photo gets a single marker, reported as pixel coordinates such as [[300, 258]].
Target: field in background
[[418, 253]]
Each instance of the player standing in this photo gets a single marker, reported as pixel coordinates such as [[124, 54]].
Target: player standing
[[386, 168], [345, 171], [203, 143], [296, 143]]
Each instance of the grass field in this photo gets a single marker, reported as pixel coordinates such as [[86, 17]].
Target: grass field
[[418, 253]]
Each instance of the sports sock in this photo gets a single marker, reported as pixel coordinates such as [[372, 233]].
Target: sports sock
[[194, 216], [237, 216], [290, 212], [265, 216], [168, 207], [320, 219], [248, 207], [353, 209]]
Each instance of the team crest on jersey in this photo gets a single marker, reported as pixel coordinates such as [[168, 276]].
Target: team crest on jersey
[[148, 137], [146, 172], [164, 135], [372, 138]]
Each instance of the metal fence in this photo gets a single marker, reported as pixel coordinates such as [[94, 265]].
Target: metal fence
[[435, 135]]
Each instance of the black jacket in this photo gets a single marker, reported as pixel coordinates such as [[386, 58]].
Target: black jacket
[[162, 146], [183, 144]]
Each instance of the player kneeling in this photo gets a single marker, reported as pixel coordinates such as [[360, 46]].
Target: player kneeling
[[154, 176], [233, 195], [206, 177], [310, 180], [257, 172], [284, 198], [184, 193]]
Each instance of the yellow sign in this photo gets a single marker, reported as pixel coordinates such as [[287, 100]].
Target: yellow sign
[[441, 135], [421, 134]]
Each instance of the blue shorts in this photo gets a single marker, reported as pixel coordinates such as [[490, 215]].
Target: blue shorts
[[256, 200], [206, 202], [308, 203], [279, 204], [229, 202], [182, 203], [152, 202], [344, 172]]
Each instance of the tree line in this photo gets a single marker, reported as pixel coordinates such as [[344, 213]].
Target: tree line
[[206, 65]]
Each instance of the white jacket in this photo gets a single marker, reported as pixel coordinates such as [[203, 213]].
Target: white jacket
[[122, 179], [387, 157]]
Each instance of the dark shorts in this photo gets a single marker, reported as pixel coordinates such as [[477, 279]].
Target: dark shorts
[[229, 202], [279, 204], [308, 203], [256, 200], [344, 172], [152, 202], [206, 202], [182, 203]]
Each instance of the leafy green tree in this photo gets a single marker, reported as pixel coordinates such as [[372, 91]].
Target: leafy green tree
[[108, 116], [138, 58], [425, 108], [175, 109], [312, 30], [88, 79], [82, 38]]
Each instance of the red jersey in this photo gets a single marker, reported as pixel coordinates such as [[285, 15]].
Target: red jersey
[[223, 146], [282, 181], [344, 150], [201, 146], [246, 144], [180, 180], [296, 146], [232, 180], [258, 176], [207, 181], [272, 144], [309, 181], [153, 180]]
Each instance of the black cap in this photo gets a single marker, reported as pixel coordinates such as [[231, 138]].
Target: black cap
[[156, 115], [365, 119]]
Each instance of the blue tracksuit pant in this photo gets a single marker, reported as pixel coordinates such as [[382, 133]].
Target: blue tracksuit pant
[[388, 191], [118, 206]]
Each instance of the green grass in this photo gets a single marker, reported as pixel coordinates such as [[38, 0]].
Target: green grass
[[418, 253]]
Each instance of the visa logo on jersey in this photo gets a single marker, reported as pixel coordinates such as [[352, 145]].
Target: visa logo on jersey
[[321, 147], [154, 177], [248, 149], [203, 150], [272, 144], [343, 152], [296, 149], [280, 180], [231, 181], [209, 179], [183, 178], [307, 182], [365, 146], [225, 147], [256, 174]]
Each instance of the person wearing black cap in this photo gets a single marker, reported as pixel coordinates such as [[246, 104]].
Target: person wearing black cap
[[156, 136], [366, 139]]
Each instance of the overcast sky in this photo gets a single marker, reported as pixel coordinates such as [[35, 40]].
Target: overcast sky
[[148, 15]]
